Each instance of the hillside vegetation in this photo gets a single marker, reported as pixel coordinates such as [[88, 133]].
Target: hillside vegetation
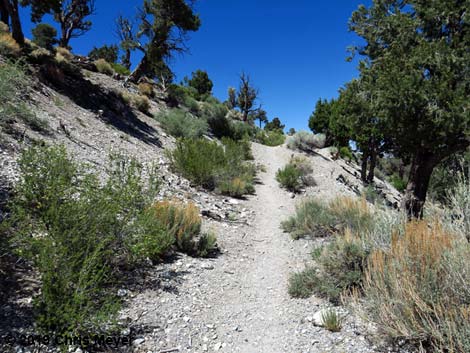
[[130, 202]]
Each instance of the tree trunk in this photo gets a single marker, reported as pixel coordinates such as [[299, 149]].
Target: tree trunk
[[126, 59], [245, 116], [4, 14], [418, 183], [365, 157], [16, 30], [373, 163], [140, 71], [64, 36]]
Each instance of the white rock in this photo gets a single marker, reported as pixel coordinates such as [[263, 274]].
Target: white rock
[[138, 341]]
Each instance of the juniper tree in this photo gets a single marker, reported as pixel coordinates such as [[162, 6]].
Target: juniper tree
[[261, 116], [163, 25], [201, 82], [70, 14], [275, 124], [418, 52], [106, 52], [326, 119], [365, 128], [44, 35]]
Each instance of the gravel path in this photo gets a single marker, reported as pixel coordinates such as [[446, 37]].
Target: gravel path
[[238, 302]]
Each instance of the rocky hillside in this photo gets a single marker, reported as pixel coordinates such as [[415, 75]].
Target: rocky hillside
[[235, 302]]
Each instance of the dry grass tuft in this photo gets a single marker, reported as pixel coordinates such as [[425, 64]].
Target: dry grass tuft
[[418, 289], [146, 89], [180, 219], [65, 53], [8, 46]]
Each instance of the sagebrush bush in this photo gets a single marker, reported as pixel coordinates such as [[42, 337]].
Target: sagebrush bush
[[316, 218], [214, 166], [104, 67], [192, 105], [418, 290], [180, 123], [13, 86], [458, 199], [301, 283], [340, 267], [306, 141], [142, 103]]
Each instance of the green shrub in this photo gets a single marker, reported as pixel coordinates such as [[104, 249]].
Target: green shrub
[[289, 178], [315, 218], [179, 123], [75, 248], [239, 150], [13, 85], [192, 105], [150, 238], [206, 245], [270, 138], [398, 183], [237, 186], [214, 166], [370, 194], [104, 67], [301, 283], [121, 70], [295, 175], [199, 161], [345, 153]]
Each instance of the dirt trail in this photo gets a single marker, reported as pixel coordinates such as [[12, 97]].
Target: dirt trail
[[261, 303], [238, 302]]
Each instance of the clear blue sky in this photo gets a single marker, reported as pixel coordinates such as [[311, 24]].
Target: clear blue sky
[[294, 51]]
